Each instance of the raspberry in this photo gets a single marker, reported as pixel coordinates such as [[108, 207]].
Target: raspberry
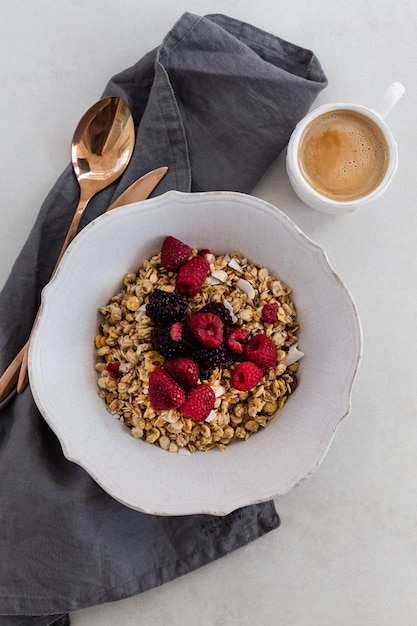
[[261, 350], [207, 328], [174, 253], [113, 369], [176, 331], [184, 370], [235, 340], [270, 313], [191, 276], [219, 309], [164, 392], [165, 307], [199, 402], [246, 375], [164, 343]]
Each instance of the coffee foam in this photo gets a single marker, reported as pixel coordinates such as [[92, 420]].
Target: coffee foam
[[343, 155]]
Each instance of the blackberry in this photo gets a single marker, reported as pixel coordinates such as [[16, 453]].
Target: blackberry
[[165, 308], [164, 344], [210, 358], [220, 310]]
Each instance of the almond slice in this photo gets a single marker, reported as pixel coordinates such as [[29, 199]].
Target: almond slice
[[245, 286]]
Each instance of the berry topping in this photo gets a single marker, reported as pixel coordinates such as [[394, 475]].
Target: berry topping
[[165, 307], [184, 370], [261, 350], [174, 253], [176, 331], [164, 392], [199, 402], [113, 369], [191, 276], [246, 375], [165, 344], [209, 358], [207, 328], [219, 309], [236, 339], [270, 313]]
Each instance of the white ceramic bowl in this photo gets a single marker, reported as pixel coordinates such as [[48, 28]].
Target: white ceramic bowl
[[145, 477]]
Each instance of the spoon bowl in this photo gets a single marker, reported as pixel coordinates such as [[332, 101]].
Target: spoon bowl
[[101, 148], [102, 144]]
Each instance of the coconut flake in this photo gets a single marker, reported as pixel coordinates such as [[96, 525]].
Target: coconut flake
[[184, 451], [141, 311], [214, 281], [294, 354], [220, 391], [245, 286], [234, 265], [221, 275], [210, 416], [229, 307]]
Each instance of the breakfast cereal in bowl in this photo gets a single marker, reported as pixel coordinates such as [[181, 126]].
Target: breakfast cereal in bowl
[[167, 356], [198, 350]]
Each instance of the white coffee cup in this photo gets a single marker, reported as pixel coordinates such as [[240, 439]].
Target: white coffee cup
[[338, 182]]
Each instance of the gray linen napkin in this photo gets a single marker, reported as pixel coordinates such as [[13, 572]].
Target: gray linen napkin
[[216, 102]]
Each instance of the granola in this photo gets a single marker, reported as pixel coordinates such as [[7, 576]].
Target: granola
[[126, 356]]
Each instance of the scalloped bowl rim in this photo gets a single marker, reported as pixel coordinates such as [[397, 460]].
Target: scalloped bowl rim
[[269, 464]]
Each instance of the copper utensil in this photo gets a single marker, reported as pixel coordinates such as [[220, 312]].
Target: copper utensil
[[101, 148], [140, 189], [137, 191]]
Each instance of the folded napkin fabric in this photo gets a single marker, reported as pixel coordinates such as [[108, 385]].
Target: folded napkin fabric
[[216, 103]]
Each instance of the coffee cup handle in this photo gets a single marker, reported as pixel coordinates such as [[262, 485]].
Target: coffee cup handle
[[389, 99]]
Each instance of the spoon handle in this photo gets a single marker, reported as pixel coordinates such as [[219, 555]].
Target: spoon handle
[[23, 378], [10, 376]]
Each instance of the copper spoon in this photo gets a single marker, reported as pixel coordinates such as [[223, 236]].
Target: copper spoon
[[101, 149]]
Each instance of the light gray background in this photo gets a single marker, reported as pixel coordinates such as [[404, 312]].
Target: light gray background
[[346, 552]]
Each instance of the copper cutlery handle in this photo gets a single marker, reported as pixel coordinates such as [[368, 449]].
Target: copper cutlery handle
[[17, 372]]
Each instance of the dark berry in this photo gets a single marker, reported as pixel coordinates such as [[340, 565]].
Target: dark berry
[[165, 308], [210, 358], [164, 343]]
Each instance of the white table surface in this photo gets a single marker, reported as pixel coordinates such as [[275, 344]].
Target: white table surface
[[346, 552]]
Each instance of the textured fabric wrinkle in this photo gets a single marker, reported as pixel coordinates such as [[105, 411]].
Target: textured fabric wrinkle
[[179, 33], [167, 103]]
